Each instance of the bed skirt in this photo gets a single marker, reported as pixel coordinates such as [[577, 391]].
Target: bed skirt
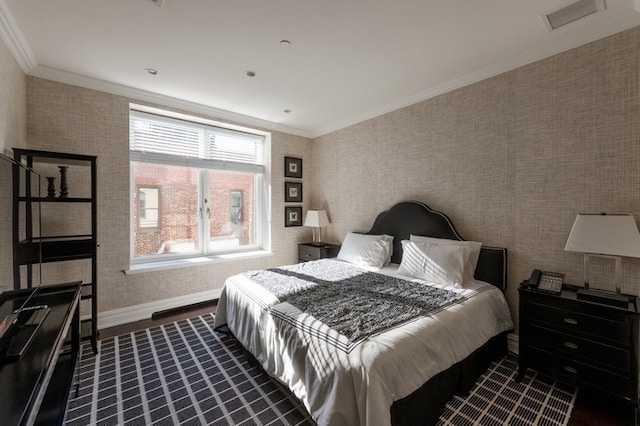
[[440, 389]]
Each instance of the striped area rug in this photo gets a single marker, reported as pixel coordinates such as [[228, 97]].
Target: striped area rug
[[184, 373]]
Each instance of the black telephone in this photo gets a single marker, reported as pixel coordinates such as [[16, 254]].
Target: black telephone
[[545, 281]]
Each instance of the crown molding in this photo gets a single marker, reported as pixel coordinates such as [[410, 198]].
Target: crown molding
[[21, 51], [72, 79], [15, 41], [553, 47]]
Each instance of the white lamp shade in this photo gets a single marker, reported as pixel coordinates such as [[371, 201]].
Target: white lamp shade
[[316, 218], [610, 234]]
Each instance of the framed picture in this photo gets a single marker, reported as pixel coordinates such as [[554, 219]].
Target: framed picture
[[292, 167], [293, 192], [293, 216]]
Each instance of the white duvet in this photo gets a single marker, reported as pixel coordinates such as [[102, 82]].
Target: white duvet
[[342, 383]]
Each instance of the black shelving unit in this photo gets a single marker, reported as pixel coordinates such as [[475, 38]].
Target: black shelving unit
[[29, 249]]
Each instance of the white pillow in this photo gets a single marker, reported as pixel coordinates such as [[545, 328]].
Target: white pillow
[[442, 264], [389, 240], [369, 251], [470, 262]]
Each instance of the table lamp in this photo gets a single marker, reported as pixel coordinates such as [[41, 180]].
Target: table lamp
[[316, 219], [605, 236]]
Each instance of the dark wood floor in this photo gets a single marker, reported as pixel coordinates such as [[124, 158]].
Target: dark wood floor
[[588, 410]]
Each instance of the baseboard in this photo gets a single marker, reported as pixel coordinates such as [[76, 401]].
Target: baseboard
[[144, 311], [513, 343]]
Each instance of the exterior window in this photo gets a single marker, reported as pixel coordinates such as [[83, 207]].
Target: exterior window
[[236, 207], [148, 208], [200, 188]]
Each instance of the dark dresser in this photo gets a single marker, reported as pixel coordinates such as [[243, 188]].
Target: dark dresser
[[35, 388], [315, 251], [588, 344]]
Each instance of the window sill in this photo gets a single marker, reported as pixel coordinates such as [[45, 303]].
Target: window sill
[[193, 261]]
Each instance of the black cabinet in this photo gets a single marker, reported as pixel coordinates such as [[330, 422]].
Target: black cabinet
[[70, 211], [315, 251], [588, 344], [35, 388]]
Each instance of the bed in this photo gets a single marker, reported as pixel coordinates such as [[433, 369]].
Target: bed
[[387, 364]]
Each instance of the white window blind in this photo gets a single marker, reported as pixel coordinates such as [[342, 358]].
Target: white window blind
[[164, 140]]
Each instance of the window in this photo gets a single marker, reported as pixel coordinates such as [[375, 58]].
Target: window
[[236, 207], [148, 208], [198, 189]]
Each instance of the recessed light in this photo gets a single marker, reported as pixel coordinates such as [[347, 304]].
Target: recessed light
[[288, 111], [285, 43], [251, 74], [151, 71]]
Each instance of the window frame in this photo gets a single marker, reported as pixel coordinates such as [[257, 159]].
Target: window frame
[[262, 178]]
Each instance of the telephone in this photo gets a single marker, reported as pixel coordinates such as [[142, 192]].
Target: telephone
[[545, 281]]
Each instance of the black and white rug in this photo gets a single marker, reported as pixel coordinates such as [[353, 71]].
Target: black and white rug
[[184, 373], [498, 399]]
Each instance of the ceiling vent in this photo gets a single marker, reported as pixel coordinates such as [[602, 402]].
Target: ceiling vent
[[572, 12], [158, 3]]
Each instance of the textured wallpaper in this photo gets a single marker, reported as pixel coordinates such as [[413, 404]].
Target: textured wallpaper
[[511, 159], [13, 102], [13, 132], [71, 119]]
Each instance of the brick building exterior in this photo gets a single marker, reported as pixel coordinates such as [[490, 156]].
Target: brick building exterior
[[178, 209]]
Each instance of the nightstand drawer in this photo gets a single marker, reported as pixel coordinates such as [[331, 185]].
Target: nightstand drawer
[[617, 332], [309, 251], [577, 372], [589, 351]]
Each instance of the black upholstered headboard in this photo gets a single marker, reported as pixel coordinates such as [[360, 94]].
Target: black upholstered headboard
[[414, 217]]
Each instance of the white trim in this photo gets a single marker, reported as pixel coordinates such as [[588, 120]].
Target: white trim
[[22, 53], [72, 79], [144, 311], [553, 47], [513, 343], [161, 265], [15, 41]]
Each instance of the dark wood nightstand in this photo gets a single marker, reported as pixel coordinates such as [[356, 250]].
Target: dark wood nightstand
[[315, 251], [588, 344]]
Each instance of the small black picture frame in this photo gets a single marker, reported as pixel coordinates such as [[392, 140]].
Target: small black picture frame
[[293, 192], [292, 167], [292, 216]]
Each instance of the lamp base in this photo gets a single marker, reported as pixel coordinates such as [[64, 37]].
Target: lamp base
[[604, 297], [317, 243]]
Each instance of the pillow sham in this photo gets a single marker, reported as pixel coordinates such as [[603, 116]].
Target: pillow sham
[[472, 260], [442, 264], [369, 251]]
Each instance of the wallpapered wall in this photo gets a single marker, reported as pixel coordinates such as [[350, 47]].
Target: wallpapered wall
[[511, 159], [71, 119], [13, 103], [13, 132]]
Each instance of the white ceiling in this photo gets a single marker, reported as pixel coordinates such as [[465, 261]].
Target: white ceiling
[[349, 60]]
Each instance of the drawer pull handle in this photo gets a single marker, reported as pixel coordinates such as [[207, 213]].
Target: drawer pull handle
[[570, 345], [570, 370], [571, 321]]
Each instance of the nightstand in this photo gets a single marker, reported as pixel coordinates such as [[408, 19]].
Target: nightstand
[[315, 251], [584, 343]]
